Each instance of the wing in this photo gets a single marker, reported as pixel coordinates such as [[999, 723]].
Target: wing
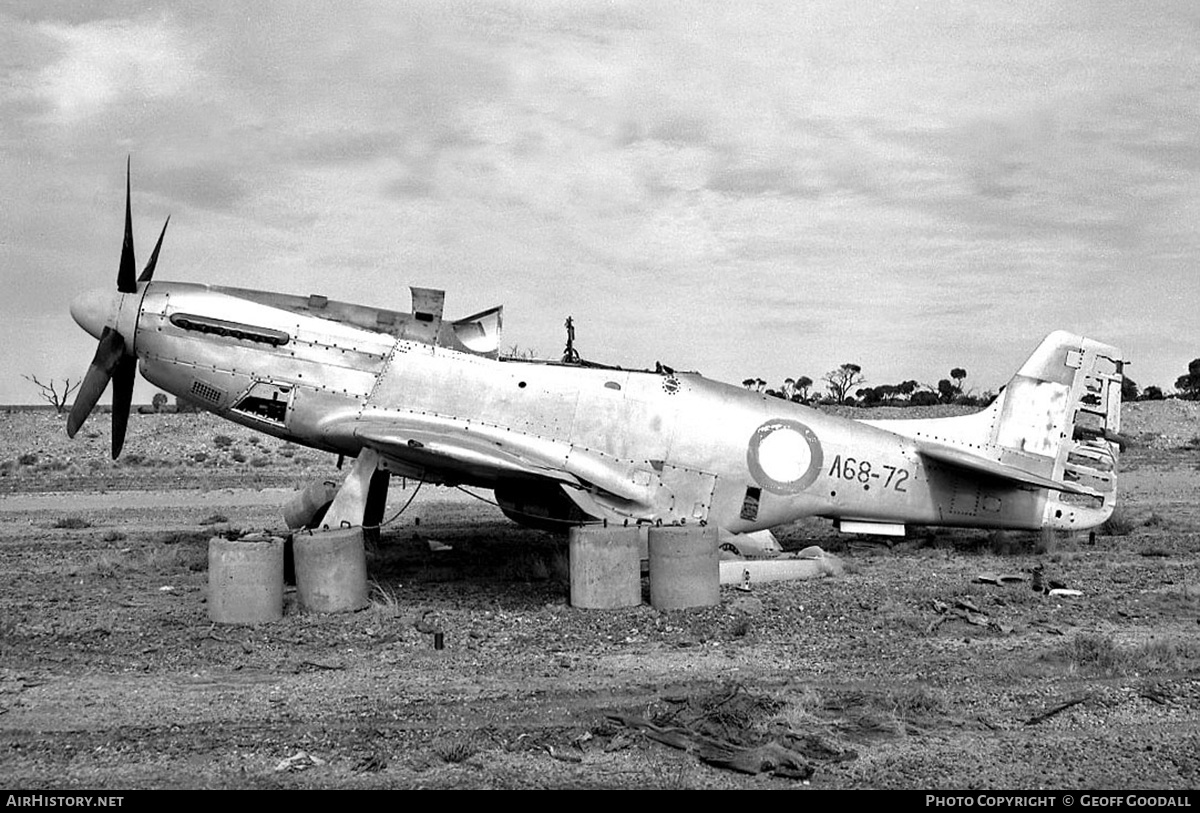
[[458, 451], [441, 450]]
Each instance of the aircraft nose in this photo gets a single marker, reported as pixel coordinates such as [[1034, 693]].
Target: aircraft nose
[[92, 310]]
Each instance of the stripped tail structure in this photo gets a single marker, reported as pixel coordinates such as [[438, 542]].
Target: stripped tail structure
[[1055, 426], [1062, 412]]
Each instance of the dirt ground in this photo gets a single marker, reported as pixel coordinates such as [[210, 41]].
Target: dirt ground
[[905, 672]]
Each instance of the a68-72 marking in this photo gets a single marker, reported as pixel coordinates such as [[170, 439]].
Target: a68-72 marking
[[850, 468]]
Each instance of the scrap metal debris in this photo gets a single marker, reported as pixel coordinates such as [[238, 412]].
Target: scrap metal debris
[[299, 761], [563, 756], [1046, 715], [723, 730], [1038, 580], [964, 609], [1040, 583], [771, 757], [1002, 578]]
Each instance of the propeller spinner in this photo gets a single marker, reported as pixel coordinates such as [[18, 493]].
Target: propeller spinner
[[98, 313]]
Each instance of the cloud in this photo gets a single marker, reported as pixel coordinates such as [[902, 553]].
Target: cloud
[[102, 64]]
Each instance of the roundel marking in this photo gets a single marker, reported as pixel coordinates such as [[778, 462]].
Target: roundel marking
[[784, 456]]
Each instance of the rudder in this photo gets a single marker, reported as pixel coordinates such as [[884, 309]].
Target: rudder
[[1061, 414]]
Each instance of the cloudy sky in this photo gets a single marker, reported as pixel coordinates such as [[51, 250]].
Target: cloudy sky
[[746, 189]]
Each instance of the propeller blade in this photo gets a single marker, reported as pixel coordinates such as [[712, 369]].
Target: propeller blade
[[148, 273], [109, 353], [126, 274], [123, 377]]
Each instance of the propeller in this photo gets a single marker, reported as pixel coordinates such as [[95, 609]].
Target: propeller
[[114, 360]]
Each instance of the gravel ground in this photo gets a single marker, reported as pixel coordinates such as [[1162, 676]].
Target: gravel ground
[[905, 672]]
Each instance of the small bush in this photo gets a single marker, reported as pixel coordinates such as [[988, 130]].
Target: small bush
[[184, 538], [259, 462], [1093, 653], [72, 523], [28, 459], [222, 441], [527, 566], [454, 752], [238, 457], [384, 600], [916, 702], [1119, 524], [200, 457], [113, 536], [214, 519], [104, 566], [1005, 543], [1099, 654], [1155, 520]]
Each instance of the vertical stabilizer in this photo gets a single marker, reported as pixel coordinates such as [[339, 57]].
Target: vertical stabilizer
[[1060, 416]]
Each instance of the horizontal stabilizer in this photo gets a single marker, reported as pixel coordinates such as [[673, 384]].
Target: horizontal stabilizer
[[959, 458]]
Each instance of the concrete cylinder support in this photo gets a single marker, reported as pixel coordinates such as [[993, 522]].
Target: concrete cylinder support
[[606, 567], [684, 567], [302, 509], [331, 570], [245, 580]]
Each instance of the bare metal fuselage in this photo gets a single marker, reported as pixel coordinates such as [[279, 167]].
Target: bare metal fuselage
[[621, 444]]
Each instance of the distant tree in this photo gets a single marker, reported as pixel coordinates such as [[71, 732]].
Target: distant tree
[[946, 391], [959, 375], [159, 402], [54, 394], [876, 396], [841, 380], [184, 406], [923, 398], [1189, 385], [1152, 393], [868, 396], [907, 388], [519, 353], [802, 385], [1129, 389], [749, 383], [759, 384]]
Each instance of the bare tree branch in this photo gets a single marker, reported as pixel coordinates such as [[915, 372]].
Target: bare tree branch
[[51, 392]]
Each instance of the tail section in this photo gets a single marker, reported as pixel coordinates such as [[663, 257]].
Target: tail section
[[1055, 426], [1062, 414]]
